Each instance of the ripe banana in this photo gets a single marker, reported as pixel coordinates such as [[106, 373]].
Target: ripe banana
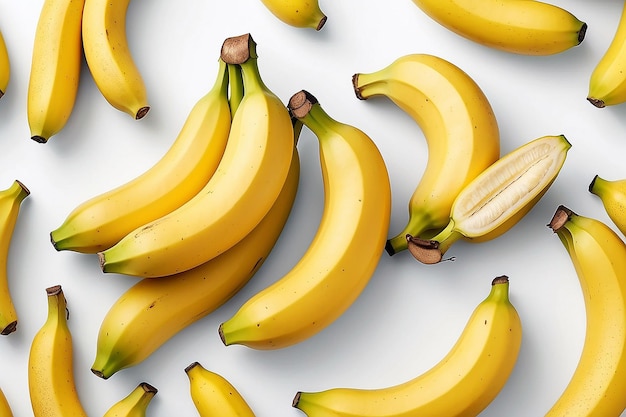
[[134, 404], [498, 198], [51, 363], [55, 67], [463, 383], [345, 250], [298, 13], [213, 395], [599, 256], [110, 60], [612, 194], [10, 204], [153, 310], [5, 407], [5, 66], [248, 179], [523, 27], [607, 83], [179, 175], [458, 123]]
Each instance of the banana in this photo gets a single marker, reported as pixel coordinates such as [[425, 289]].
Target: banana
[[5, 66], [298, 13], [498, 198], [102, 221], [458, 123], [463, 383], [612, 194], [248, 179], [5, 407], [55, 68], [598, 254], [134, 404], [213, 395], [525, 27], [10, 204], [607, 83], [345, 250], [110, 60], [153, 310], [51, 364]]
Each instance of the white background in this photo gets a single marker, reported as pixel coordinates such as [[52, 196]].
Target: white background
[[410, 314]]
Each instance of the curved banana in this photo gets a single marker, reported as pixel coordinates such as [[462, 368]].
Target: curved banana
[[134, 404], [109, 59], [248, 179], [458, 123], [463, 383], [607, 83], [55, 67], [102, 221], [154, 310], [5, 66], [612, 194], [5, 407], [345, 250], [213, 395], [498, 198], [526, 27], [599, 257], [298, 13], [10, 204], [51, 363]]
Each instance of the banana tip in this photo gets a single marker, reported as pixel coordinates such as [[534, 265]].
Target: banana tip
[[142, 112], [39, 139], [596, 102], [560, 217], [389, 248], [102, 261], [425, 251], [9, 328], [99, 373], [320, 24], [220, 331], [296, 399], [582, 32], [592, 183]]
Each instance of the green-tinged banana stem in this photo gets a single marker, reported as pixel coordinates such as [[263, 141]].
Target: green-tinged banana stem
[[134, 404], [418, 225], [431, 251], [236, 87]]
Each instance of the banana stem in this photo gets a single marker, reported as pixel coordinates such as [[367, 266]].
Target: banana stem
[[305, 107], [431, 251], [235, 79], [367, 85]]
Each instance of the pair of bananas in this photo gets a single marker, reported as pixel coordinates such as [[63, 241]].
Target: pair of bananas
[[65, 29], [467, 190], [51, 383]]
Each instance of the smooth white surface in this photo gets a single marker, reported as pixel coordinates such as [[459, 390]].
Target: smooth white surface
[[410, 314]]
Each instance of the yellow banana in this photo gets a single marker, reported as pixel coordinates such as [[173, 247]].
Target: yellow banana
[[463, 383], [154, 310], [607, 83], [345, 250], [458, 123], [298, 13], [110, 60], [612, 194], [526, 27], [5, 66], [5, 407], [213, 395], [10, 203], [134, 404], [51, 363], [597, 386], [498, 198], [179, 175], [248, 179], [55, 67]]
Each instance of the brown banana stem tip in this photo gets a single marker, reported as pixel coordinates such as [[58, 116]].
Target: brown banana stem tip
[[561, 216], [301, 103], [191, 366], [99, 374], [321, 23], [10, 328], [596, 102], [238, 49], [54, 290], [296, 399], [148, 388], [425, 251], [582, 32], [502, 279], [592, 183], [142, 112], [355, 86]]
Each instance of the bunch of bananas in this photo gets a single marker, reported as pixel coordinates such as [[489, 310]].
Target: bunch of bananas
[[66, 28]]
